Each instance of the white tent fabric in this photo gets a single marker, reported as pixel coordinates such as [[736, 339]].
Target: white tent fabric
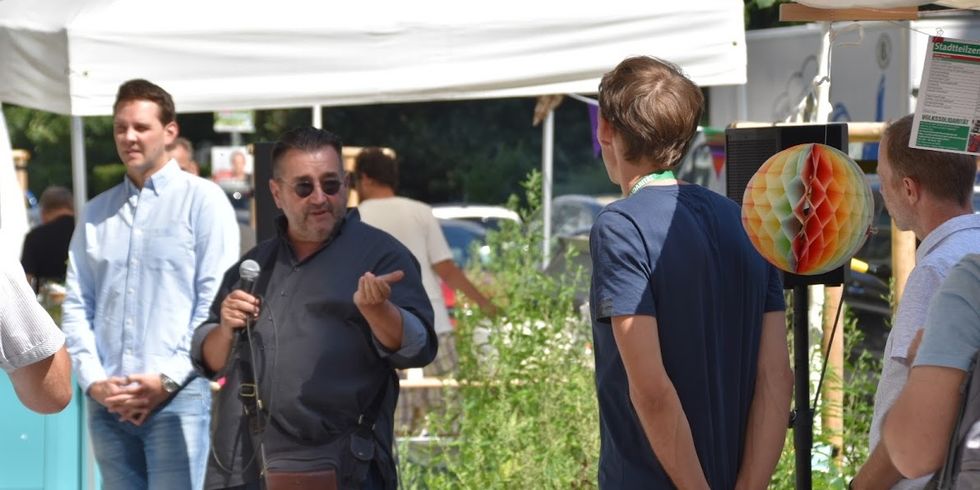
[[13, 214], [69, 56]]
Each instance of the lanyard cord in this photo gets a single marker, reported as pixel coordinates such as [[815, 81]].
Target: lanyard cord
[[651, 178]]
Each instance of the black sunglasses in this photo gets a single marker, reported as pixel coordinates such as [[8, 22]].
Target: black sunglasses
[[304, 188]]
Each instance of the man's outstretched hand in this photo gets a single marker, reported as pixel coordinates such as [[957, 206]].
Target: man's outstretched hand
[[373, 291]]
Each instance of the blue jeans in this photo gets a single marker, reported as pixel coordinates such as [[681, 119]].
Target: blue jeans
[[169, 451]]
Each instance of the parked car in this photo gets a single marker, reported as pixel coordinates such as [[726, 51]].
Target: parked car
[[487, 216], [572, 217], [574, 214], [464, 237]]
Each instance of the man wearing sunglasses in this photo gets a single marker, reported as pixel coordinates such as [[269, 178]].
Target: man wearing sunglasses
[[310, 384]]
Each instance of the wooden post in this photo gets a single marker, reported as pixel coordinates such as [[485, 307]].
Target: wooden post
[[903, 260], [833, 384], [21, 159]]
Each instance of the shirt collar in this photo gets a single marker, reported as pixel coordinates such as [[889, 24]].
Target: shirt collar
[[158, 181], [950, 226], [282, 232]]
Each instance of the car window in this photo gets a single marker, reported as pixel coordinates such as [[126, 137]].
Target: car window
[[461, 238], [573, 218]]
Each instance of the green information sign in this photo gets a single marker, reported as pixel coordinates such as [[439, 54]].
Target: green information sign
[[942, 136]]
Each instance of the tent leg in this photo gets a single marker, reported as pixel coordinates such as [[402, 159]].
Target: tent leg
[[78, 175], [317, 121], [547, 165]]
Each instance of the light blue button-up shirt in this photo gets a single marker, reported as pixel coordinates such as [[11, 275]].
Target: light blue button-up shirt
[[143, 269]]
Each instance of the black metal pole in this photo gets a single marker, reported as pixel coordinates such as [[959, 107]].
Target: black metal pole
[[803, 423]]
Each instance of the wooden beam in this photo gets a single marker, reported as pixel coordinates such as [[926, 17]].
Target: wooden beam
[[794, 12]]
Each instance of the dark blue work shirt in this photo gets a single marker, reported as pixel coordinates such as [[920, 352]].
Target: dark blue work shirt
[[679, 254], [316, 361]]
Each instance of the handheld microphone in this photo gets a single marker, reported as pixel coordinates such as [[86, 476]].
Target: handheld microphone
[[248, 272]]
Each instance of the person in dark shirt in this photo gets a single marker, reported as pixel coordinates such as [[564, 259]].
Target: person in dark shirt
[[338, 307], [45, 253], [692, 364]]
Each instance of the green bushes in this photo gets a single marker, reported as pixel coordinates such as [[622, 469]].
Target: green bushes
[[525, 414], [104, 177]]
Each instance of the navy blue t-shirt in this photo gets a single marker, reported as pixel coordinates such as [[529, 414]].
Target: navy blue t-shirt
[[679, 254]]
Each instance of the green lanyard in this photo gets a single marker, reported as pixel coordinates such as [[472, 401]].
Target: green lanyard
[[649, 178]]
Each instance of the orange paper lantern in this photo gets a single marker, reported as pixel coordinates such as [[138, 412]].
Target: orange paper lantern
[[808, 209]]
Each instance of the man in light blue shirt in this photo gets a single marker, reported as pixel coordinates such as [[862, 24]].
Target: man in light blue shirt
[[144, 263]]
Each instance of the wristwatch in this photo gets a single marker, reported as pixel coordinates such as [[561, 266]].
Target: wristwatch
[[169, 385]]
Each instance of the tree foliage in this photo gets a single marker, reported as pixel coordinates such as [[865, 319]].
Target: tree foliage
[[474, 151]]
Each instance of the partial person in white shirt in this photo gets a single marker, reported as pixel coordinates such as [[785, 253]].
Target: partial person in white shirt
[[32, 349], [929, 193], [411, 222], [145, 262]]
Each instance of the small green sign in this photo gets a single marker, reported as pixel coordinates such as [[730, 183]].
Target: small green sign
[[234, 122], [942, 136], [950, 47]]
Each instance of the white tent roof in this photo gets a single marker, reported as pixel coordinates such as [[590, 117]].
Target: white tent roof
[[69, 56]]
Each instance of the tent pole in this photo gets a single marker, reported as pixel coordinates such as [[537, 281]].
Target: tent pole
[[317, 116], [547, 164], [822, 88], [742, 102], [78, 176]]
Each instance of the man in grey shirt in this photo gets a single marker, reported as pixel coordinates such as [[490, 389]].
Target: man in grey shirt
[[32, 348], [927, 192], [918, 428], [338, 307]]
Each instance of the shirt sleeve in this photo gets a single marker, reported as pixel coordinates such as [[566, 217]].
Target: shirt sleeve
[[78, 312], [775, 301], [216, 247], [413, 338], [435, 241], [910, 316], [621, 273], [419, 344], [952, 335], [27, 333], [202, 331]]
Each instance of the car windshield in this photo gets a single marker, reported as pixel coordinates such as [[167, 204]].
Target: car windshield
[[461, 235]]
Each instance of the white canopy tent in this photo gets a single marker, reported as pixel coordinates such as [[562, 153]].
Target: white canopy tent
[[69, 56]]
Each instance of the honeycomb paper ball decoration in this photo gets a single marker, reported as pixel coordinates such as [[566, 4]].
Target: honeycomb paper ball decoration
[[808, 209]]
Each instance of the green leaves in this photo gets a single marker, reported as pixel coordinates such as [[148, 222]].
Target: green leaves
[[525, 414]]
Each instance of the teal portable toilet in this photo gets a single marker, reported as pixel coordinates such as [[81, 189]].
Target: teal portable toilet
[[43, 452]]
